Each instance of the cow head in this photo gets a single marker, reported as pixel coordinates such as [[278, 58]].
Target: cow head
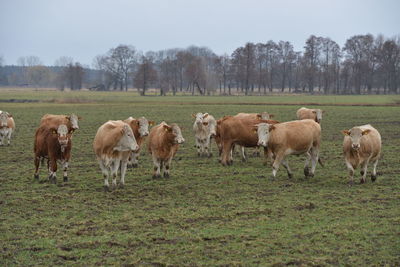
[[212, 126], [127, 142], [265, 116], [263, 131], [355, 135], [175, 133], [63, 136], [318, 114], [73, 119], [143, 124], [3, 118], [199, 117]]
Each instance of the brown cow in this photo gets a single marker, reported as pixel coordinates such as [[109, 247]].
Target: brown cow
[[54, 120], [140, 128], [53, 144], [312, 114], [7, 127], [237, 130], [292, 137], [361, 145], [163, 144], [113, 144]]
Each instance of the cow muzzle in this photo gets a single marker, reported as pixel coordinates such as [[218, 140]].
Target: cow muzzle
[[262, 143], [135, 148], [355, 146]]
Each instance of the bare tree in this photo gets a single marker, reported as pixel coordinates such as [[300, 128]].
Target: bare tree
[[38, 75], [145, 75]]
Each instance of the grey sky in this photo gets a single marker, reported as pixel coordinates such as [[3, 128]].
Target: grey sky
[[83, 29]]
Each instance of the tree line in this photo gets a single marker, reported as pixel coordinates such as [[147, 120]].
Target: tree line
[[366, 64]]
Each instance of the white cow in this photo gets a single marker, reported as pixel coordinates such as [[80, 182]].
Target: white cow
[[7, 127], [204, 128]]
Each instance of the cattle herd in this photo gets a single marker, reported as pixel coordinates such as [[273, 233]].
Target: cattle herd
[[117, 143]]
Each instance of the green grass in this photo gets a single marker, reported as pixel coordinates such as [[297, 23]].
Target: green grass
[[205, 214]]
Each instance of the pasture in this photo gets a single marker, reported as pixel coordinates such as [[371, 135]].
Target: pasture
[[205, 214]]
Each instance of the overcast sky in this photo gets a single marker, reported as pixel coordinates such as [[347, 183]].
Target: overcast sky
[[82, 29]]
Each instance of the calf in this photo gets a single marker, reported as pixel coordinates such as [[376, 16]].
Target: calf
[[164, 141], [312, 114], [361, 145], [140, 128], [113, 144], [7, 127], [235, 130], [204, 129], [54, 144], [54, 120], [293, 137]]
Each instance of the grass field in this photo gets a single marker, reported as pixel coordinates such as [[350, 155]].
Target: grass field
[[205, 214]]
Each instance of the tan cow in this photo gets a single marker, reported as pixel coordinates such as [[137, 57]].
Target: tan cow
[[237, 130], [163, 143], [54, 120], [7, 127], [292, 137], [113, 144], [204, 129], [312, 114], [54, 144], [140, 128], [361, 145], [262, 116]]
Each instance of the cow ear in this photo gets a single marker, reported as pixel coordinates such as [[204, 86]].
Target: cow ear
[[254, 129], [205, 115], [314, 112], [365, 132], [9, 115], [151, 123], [271, 127], [167, 128], [271, 115], [346, 132], [259, 116], [68, 118], [138, 123], [193, 115]]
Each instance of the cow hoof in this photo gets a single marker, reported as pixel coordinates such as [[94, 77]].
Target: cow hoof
[[272, 178], [198, 154], [121, 186], [52, 179], [244, 160], [373, 178], [36, 176], [65, 178], [362, 181], [306, 172], [106, 188], [166, 175], [290, 176]]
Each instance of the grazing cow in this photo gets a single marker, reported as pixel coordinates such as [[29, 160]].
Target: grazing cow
[[113, 144], [140, 128], [204, 129], [237, 130], [54, 120], [312, 114], [292, 137], [53, 144], [361, 145], [261, 116], [163, 144], [7, 127]]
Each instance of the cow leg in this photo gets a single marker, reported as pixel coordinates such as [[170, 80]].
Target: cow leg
[[209, 146], [157, 167], [105, 172], [134, 159], [206, 146], [167, 166], [314, 160], [351, 172], [124, 164], [114, 172], [244, 158], [306, 164], [65, 169], [286, 165], [37, 163], [1, 139], [53, 170], [9, 136], [363, 171], [276, 164], [198, 147], [373, 175], [226, 153]]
